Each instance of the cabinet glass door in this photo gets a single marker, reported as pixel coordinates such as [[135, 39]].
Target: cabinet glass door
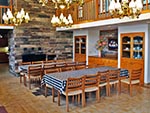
[[137, 47], [77, 45], [126, 45]]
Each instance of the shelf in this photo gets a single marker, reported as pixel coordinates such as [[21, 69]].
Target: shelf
[[127, 50], [137, 51], [125, 43], [138, 43]]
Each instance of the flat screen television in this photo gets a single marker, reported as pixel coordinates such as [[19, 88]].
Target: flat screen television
[[113, 44]]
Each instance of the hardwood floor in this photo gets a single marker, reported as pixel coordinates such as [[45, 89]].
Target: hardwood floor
[[19, 99]]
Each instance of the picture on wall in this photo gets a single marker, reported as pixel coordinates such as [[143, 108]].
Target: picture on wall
[[112, 44]]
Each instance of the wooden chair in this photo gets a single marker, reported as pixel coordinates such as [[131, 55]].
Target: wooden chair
[[75, 86], [114, 79], [134, 78], [34, 73], [49, 68], [92, 84], [22, 73], [103, 81]]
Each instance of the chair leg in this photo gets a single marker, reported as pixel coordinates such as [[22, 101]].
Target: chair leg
[[58, 98], [24, 79], [118, 88], [107, 90], [130, 90], [30, 84], [83, 99], [53, 99], [45, 90], [67, 104], [73, 98], [20, 78], [98, 95], [78, 98]]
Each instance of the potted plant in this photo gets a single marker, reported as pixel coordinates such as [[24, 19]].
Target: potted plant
[[101, 44]]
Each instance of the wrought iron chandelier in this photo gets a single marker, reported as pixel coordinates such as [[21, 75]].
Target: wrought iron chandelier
[[17, 18], [62, 3], [62, 21], [130, 9]]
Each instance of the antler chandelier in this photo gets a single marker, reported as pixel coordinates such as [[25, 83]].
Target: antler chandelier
[[131, 9], [62, 21], [62, 3], [17, 18]]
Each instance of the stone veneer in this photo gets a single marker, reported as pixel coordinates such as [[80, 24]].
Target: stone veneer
[[38, 33]]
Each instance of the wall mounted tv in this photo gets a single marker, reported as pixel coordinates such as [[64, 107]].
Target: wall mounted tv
[[113, 44]]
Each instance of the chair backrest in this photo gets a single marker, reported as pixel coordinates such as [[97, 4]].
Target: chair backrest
[[50, 68], [70, 63], [35, 71], [66, 68], [114, 74], [49, 61], [74, 84], [103, 76], [91, 80], [80, 65], [60, 64], [135, 74], [37, 62]]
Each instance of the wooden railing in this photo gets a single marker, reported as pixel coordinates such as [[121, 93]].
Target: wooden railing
[[92, 10]]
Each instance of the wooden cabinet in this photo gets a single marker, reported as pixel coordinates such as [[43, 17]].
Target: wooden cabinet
[[102, 61], [80, 48], [132, 52]]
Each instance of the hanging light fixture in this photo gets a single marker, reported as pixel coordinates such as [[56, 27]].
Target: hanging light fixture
[[17, 18], [62, 3], [62, 21], [130, 9]]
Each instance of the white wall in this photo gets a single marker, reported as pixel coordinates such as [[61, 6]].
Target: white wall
[[93, 36], [148, 54], [137, 28]]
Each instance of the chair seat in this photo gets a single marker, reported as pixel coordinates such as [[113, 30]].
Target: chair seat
[[22, 73], [127, 81], [73, 92], [102, 84], [34, 77], [114, 82], [48, 86], [90, 89]]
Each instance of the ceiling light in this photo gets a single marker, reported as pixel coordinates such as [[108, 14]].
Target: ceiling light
[[130, 9]]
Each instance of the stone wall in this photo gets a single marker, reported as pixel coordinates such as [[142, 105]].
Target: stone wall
[[38, 33]]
